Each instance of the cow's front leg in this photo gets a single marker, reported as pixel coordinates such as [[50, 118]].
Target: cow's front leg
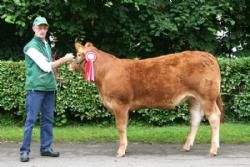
[[121, 117]]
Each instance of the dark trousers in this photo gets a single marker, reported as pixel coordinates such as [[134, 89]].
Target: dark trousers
[[39, 102]]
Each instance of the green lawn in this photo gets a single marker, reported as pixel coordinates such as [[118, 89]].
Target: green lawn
[[230, 133]]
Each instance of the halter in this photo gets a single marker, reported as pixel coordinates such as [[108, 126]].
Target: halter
[[78, 62]]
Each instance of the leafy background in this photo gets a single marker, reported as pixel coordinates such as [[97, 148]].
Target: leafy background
[[78, 101], [129, 28]]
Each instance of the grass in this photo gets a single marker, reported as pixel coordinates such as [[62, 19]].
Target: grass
[[230, 133]]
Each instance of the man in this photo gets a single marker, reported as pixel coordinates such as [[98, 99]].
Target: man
[[41, 88]]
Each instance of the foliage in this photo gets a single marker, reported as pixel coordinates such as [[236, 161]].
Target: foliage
[[133, 27], [236, 87], [12, 80], [78, 101]]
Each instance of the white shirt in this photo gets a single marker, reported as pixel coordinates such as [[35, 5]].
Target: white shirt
[[39, 59]]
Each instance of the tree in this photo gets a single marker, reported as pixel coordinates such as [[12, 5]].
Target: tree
[[129, 28]]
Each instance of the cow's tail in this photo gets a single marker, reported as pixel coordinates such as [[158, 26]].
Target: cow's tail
[[220, 106]]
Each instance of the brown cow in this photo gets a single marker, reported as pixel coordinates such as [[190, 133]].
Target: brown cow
[[163, 82]]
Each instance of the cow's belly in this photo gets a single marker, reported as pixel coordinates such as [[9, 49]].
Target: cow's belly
[[160, 102]]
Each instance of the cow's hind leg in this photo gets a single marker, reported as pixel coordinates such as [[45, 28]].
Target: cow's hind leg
[[196, 116], [213, 114], [121, 118]]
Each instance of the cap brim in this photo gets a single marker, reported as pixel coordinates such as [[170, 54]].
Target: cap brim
[[40, 23]]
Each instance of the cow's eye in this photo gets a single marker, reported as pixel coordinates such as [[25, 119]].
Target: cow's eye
[[78, 54]]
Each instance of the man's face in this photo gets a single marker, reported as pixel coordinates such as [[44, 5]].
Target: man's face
[[40, 30]]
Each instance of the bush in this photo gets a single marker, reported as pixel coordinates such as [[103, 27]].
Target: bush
[[12, 92], [236, 88], [78, 101]]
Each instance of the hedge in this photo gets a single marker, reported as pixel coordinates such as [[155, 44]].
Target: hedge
[[78, 101]]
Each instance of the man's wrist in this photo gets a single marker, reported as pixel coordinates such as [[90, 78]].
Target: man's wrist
[[62, 60]]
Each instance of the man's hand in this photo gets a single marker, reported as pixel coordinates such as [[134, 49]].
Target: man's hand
[[68, 57]]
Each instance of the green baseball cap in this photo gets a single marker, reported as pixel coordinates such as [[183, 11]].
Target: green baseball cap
[[40, 20]]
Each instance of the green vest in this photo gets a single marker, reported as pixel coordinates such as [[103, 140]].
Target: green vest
[[36, 78]]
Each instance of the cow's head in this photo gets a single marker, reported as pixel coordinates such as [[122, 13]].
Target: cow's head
[[79, 63]]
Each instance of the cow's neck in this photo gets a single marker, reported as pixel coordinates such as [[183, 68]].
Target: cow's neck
[[103, 64]]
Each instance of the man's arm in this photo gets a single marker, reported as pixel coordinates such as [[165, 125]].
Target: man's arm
[[41, 61], [67, 57]]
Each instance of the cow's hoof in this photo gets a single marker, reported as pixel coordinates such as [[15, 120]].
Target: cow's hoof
[[120, 155], [186, 148], [213, 153]]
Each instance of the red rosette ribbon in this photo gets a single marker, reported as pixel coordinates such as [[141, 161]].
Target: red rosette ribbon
[[89, 69]]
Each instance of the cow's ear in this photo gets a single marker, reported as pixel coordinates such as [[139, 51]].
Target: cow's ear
[[88, 44], [79, 47]]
